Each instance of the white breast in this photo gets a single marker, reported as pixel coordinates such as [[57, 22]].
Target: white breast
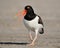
[[33, 24]]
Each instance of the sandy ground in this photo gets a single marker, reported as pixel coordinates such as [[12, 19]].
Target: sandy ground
[[13, 30]]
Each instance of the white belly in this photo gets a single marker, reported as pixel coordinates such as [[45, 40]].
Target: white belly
[[33, 24]]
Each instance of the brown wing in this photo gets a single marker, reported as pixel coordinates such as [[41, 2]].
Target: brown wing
[[40, 20]]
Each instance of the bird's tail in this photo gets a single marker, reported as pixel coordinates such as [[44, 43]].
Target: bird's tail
[[42, 31]]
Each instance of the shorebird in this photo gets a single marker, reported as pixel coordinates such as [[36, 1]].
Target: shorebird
[[32, 22]]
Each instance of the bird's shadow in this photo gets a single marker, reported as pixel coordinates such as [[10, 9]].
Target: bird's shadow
[[16, 43]]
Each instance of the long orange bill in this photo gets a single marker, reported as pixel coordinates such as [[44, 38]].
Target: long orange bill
[[22, 13]]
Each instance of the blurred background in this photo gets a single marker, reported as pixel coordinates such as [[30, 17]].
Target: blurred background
[[13, 30]]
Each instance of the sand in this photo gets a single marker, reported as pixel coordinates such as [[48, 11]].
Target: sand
[[13, 33]]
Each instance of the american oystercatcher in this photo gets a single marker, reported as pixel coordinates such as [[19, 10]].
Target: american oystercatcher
[[32, 22]]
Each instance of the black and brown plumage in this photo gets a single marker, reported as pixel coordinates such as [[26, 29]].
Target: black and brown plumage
[[32, 22]]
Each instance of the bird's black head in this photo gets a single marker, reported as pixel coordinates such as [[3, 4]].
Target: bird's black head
[[29, 10], [29, 13]]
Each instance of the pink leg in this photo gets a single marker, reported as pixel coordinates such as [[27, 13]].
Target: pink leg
[[33, 42]]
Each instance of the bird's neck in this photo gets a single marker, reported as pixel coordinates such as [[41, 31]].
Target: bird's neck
[[30, 16]]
